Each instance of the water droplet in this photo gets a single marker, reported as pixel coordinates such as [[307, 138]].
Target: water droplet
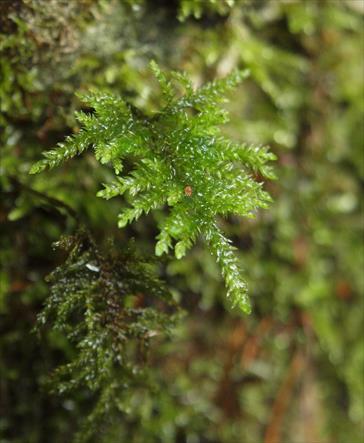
[[92, 267]]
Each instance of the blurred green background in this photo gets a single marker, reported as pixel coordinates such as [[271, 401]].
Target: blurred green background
[[293, 371]]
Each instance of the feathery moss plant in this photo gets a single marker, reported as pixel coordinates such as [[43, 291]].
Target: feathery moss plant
[[111, 306], [180, 159]]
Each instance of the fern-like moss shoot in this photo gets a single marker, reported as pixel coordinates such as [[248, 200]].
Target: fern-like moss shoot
[[180, 160]]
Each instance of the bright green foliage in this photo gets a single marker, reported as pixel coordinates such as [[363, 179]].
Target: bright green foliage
[[109, 306], [180, 159], [196, 8]]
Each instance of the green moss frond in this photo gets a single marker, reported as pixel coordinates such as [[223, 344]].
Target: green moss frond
[[181, 161]]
